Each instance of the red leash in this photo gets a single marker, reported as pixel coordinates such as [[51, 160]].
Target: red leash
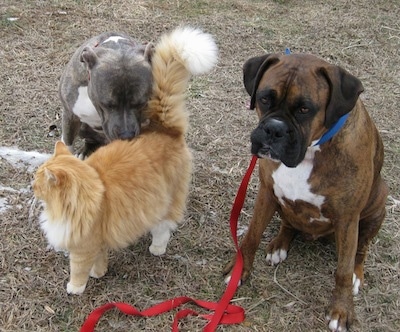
[[224, 312]]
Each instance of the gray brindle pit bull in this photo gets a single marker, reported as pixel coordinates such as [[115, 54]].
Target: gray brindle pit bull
[[103, 89]]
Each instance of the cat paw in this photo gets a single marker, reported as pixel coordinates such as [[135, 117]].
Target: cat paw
[[96, 273], [157, 250], [77, 290]]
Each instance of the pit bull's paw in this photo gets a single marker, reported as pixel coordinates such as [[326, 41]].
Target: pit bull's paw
[[276, 257], [77, 290], [157, 250]]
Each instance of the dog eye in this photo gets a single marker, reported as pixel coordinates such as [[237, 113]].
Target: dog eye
[[304, 110]]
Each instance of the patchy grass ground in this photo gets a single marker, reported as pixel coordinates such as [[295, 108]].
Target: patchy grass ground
[[362, 36]]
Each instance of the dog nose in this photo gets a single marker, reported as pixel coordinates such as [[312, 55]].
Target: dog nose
[[275, 129], [128, 134]]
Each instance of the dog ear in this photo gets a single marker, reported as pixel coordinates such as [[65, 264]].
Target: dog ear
[[253, 70], [344, 92], [148, 52], [89, 57]]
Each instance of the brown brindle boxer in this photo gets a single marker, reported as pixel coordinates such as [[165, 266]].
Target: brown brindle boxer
[[318, 187]]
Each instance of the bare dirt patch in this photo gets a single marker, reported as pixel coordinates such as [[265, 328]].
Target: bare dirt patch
[[38, 38]]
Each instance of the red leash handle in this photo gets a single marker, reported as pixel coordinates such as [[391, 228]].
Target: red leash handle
[[224, 312]]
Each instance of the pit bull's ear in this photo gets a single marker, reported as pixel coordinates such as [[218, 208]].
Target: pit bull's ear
[[89, 57], [148, 52], [344, 91], [253, 70], [60, 148]]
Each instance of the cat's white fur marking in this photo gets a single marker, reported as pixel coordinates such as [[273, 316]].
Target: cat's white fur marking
[[57, 232], [161, 234]]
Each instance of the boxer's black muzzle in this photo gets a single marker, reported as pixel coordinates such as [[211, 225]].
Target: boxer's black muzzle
[[274, 139]]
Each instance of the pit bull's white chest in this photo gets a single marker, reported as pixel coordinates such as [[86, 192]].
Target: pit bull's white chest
[[292, 183], [85, 109]]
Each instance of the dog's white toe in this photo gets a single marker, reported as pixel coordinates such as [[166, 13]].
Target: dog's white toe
[[356, 284], [228, 279], [276, 257], [334, 326]]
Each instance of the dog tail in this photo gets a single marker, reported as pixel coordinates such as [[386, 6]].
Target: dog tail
[[177, 56]]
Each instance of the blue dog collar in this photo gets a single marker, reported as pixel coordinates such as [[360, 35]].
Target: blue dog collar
[[333, 130]]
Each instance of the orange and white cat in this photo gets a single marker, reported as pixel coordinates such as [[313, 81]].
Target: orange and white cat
[[127, 189]]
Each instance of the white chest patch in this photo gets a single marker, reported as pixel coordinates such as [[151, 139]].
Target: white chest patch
[[57, 232], [114, 39], [292, 183], [85, 109]]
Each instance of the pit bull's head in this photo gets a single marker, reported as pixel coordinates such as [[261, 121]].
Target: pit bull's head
[[120, 84]]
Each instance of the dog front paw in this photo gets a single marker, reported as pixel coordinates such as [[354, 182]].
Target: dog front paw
[[77, 290], [277, 249], [356, 284], [278, 256], [227, 271], [334, 326], [340, 315], [228, 279]]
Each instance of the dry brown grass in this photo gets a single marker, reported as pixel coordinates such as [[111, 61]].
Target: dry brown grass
[[362, 36]]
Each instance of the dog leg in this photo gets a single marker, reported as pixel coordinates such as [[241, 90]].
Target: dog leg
[[161, 235], [80, 266], [278, 248], [92, 141], [371, 220], [70, 128], [341, 310], [100, 265], [264, 209]]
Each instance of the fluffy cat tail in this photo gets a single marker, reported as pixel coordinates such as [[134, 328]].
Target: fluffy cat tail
[[177, 56]]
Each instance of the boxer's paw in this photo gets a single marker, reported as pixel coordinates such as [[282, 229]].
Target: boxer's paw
[[227, 271], [340, 314], [276, 257], [228, 279], [277, 250], [356, 284], [335, 327], [358, 278]]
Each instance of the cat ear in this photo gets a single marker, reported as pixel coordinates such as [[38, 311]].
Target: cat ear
[[50, 176], [60, 148], [55, 176]]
